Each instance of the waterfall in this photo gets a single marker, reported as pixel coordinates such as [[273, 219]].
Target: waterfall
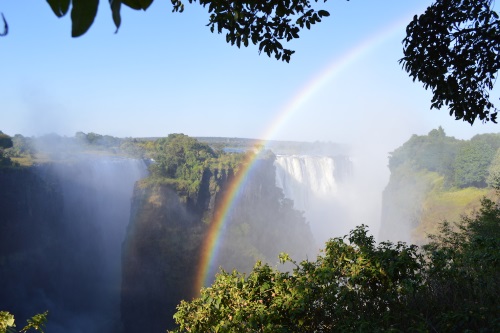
[[305, 178], [312, 182]]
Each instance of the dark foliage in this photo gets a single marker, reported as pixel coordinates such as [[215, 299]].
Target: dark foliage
[[454, 49], [5, 143], [266, 23]]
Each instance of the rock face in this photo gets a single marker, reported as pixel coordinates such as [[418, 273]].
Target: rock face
[[160, 252], [61, 229], [162, 247], [402, 206]]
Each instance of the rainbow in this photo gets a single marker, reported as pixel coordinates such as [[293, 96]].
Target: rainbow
[[211, 243]]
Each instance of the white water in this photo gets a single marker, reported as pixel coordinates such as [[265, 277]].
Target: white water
[[310, 182], [306, 178]]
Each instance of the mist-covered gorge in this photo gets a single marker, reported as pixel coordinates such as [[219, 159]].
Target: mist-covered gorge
[[62, 226], [107, 233], [88, 233], [171, 218]]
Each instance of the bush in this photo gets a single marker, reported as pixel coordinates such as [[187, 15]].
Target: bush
[[37, 322], [450, 285], [354, 286]]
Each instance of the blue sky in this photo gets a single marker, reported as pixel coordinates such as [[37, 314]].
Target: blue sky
[[165, 72]]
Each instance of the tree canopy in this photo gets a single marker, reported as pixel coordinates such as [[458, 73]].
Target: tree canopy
[[454, 49], [181, 161], [5, 140], [354, 286], [463, 163]]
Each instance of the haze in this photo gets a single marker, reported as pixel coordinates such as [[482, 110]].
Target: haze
[[166, 73]]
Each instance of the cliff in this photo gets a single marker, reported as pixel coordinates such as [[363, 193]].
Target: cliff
[[162, 246], [61, 228], [160, 252], [436, 178]]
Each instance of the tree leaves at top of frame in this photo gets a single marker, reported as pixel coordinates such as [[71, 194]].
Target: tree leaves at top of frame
[[454, 49], [59, 7], [137, 4], [266, 23], [83, 13]]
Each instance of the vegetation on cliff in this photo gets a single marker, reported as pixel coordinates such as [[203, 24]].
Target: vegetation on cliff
[[26, 151], [463, 163], [5, 143], [450, 285], [172, 213], [181, 161], [436, 177]]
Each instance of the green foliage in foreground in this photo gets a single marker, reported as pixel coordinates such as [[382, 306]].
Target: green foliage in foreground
[[353, 286], [463, 272], [449, 285], [37, 322]]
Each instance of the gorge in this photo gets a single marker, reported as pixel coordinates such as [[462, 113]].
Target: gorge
[[84, 238], [110, 239], [62, 228]]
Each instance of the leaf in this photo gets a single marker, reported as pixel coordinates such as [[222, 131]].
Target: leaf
[[59, 7], [82, 15], [146, 3], [138, 4], [134, 4], [6, 320], [322, 13], [5, 27], [37, 322], [115, 12]]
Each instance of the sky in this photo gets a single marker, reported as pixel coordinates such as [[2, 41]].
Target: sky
[[165, 72]]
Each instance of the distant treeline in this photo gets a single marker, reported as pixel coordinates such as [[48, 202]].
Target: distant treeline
[[278, 147], [24, 150], [463, 163]]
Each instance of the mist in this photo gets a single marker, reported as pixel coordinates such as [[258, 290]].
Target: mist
[[70, 228], [83, 215], [67, 233]]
